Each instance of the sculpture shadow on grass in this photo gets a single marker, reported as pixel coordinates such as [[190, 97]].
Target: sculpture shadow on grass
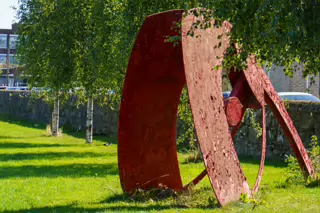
[[113, 208]]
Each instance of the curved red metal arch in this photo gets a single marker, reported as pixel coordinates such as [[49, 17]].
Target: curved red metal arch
[[156, 74], [147, 125]]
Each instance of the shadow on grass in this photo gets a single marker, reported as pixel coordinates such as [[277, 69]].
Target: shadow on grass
[[113, 208], [12, 137], [251, 160], [69, 170], [81, 135], [268, 162], [21, 122], [8, 145], [193, 198], [51, 155]]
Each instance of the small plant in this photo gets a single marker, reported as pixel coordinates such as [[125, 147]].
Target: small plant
[[244, 198], [60, 131], [197, 198], [153, 195], [188, 138], [253, 123], [293, 171], [48, 131], [194, 154]]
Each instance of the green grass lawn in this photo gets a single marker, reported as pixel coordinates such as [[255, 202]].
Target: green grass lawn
[[46, 174]]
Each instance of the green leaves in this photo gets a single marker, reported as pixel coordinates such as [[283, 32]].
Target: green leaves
[[281, 32], [45, 42], [73, 43]]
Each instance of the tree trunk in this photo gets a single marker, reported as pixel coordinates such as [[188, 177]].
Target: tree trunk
[[89, 123], [55, 117], [8, 60]]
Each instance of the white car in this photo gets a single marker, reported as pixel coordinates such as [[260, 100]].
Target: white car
[[298, 96]]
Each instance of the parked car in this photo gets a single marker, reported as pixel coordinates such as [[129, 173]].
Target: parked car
[[226, 94], [298, 96], [17, 88]]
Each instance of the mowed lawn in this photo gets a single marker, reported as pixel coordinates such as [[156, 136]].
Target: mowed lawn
[[46, 174]]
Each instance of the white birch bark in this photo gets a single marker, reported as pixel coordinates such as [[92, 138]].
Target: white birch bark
[[89, 122], [55, 117]]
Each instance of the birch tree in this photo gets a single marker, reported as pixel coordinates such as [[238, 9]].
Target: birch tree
[[45, 48], [98, 53]]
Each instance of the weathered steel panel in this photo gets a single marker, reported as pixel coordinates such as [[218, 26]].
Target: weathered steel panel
[[156, 73], [233, 110], [147, 125], [263, 152], [277, 107], [205, 94]]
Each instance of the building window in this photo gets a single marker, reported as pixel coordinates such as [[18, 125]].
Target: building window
[[3, 61], [13, 41], [3, 41], [3, 58], [13, 61]]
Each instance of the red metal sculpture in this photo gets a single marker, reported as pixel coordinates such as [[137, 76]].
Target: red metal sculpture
[[156, 74]]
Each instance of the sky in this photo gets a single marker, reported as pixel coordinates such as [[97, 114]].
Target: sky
[[7, 13]]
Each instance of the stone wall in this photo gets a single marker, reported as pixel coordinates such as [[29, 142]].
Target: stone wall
[[21, 105], [297, 83], [306, 118]]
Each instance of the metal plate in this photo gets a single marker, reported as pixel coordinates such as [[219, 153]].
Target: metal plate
[[277, 107], [205, 93], [147, 124], [254, 79]]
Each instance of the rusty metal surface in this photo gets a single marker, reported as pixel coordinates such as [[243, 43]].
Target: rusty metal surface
[[277, 107], [205, 94], [257, 79], [147, 124], [263, 152], [233, 109], [265, 93], [156, 73], [196, 180], [254, 80]]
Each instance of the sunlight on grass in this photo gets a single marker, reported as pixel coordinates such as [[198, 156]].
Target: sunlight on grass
[[46, 174]]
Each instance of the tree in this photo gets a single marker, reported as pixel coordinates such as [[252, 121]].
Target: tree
[[98, 53], [279, 32], [46, 38], [69, 44]]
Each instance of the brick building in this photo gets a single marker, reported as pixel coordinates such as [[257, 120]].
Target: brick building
[[8, 59]]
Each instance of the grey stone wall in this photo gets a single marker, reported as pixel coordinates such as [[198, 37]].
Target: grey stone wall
[[306, 118], [297, 83], [21, 105]]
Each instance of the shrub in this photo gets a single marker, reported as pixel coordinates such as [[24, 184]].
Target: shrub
[[293, 171]]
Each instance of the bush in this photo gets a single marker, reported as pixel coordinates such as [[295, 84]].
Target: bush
[[293, 172]]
